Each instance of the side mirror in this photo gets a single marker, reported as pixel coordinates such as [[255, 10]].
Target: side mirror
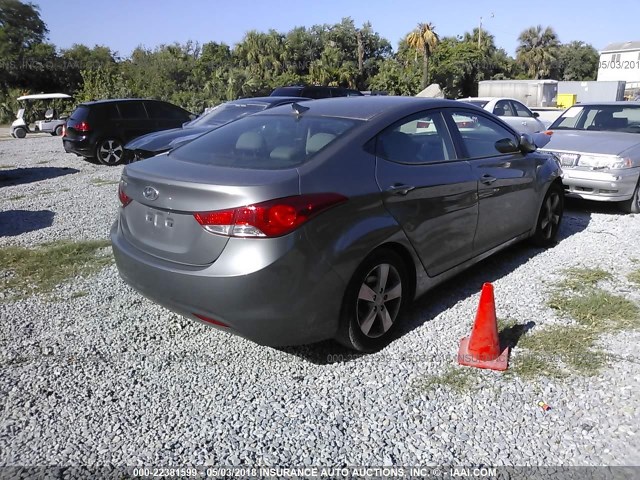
[[527, 144], [193, 116], [536, 115], [506, 145]]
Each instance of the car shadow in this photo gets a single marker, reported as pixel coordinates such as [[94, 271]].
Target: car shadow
[[20, 176], [579, 205], [17, 222], [449, 293]]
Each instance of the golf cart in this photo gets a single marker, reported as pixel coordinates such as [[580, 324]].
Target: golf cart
[[52, 123]]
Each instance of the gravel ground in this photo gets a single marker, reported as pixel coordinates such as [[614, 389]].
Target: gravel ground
[[109, 378]]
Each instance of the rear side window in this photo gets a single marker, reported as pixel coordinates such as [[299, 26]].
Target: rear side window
[[479, 134], [265, 142], [316, 92], [503, 109], [132, 110], [105, 111], [165, 111]]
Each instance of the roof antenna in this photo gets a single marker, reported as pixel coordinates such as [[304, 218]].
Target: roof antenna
[[299, 109]]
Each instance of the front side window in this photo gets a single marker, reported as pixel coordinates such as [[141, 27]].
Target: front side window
[[422, 138], [265, 142], [165, 111], [521, 110], [479, 134]]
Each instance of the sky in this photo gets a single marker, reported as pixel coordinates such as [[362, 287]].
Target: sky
[[122, 25]]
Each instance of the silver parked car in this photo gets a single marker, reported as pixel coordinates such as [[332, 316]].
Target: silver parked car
[[324, 220], [511, 111], [598, 145]]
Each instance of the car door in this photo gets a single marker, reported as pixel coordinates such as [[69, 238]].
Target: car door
[[431, 193], [527, 121], [506, 181], [134, 121]]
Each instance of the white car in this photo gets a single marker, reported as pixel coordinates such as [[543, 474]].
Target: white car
[[510, 111]]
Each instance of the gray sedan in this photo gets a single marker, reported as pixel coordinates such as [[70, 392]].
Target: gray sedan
[[325, 219], [599, 148]]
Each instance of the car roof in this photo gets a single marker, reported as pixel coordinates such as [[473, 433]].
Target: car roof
[[488, 99], [367, 107], [43, 96]]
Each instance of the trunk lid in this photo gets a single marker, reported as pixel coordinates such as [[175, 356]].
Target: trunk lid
[[166, 192]]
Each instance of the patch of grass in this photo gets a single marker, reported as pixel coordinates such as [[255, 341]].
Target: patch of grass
[[18, 197], [561, 350], [99, 182], [79, 294], [598, 309], [29, 271], [6, 167], [579, 278], [634, 277], [457, 379], [42, 162]]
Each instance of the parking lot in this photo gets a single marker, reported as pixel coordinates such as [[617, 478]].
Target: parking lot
[[92, 373]]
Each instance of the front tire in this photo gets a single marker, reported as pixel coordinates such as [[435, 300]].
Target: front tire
[[549, 217], [633, 204], [373, 302], [110, 151]]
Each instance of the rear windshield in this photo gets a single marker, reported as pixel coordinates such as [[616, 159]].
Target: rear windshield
[[80, 114], [287, 92], [265, 142], [226, 113], [611, 118]]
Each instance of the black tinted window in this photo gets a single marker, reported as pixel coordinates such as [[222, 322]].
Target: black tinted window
[[165, 111], [287, 92], [480, 134], [105, 111], [265, 142], [316, 92], [132, 110]]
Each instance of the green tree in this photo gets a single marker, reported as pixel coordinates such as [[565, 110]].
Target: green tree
[[538, 50], [424, 39], [576, 61]]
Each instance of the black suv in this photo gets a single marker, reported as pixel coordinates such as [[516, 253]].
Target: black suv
[[100, 129], [314, 91]]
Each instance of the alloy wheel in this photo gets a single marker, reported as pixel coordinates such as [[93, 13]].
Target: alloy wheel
[[550, 215], [110, 152], [379, 300]]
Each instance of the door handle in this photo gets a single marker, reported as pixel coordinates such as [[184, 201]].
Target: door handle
[[399, 189], [487, 179], [524, 123]]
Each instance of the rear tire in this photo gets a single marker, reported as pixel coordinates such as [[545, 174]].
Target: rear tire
[[20, 132], [633, 204], [549, 217], [110, 151], [373, 302], [58, 130]]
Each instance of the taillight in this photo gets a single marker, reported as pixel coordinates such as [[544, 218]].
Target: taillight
[[64, 130], [273, 218], [82, 127], [124, 198]]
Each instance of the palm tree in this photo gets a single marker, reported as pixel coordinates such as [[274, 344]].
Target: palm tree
[[424, 39], [538, 50]]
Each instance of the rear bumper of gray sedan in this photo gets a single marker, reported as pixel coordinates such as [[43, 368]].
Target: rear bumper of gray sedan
[[609, 186], [294, 299]]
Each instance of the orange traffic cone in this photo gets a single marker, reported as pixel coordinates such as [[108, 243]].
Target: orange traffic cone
[[482, 348]]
